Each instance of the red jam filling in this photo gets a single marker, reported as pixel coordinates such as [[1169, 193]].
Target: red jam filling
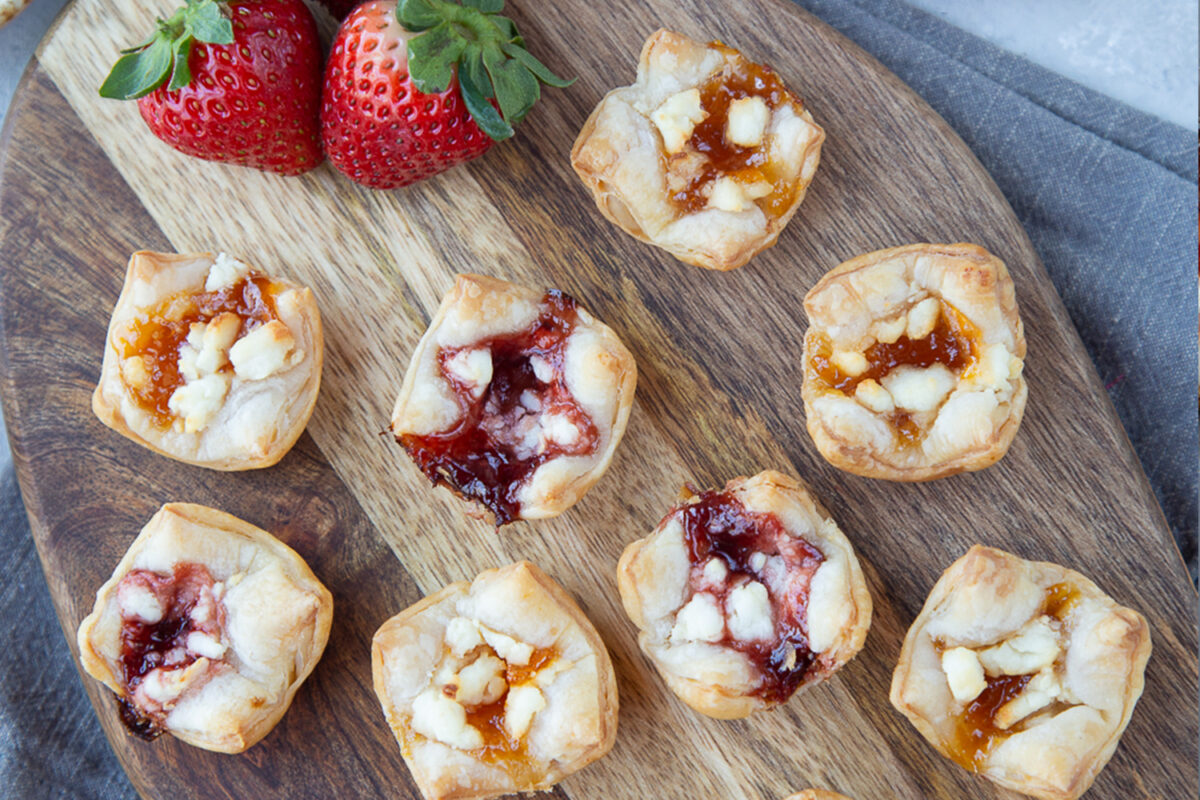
[[483, 457], [717, 525], [162, 645], [749, 164], [156, 334]]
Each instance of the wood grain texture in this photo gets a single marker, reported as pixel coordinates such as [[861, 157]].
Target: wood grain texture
[[84, 184]]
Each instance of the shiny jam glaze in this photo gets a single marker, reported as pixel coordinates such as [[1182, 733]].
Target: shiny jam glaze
[[156, 334], [1059, 599], [160, 645], [498, 747], [741, 78], [717, 525], [950, 343], [475, 458], [976, 733]]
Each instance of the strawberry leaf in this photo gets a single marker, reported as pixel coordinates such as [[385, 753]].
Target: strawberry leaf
[[138, 74], [516, 87], [181, 74], [540, 70], [487, 52], [419, 15], [486, 116], [432, 56], [143, 69]]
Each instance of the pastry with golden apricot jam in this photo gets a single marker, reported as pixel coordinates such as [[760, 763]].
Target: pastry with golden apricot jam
[[707, 155], [913, 362], [210, 361], [745, 595], [514, 399], [495, 686], [1022, 671], [206, 629]]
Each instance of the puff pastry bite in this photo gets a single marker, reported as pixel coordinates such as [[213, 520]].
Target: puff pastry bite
[[913, 362], [514, 399], [495, 686], [1022, 671], [745, 595], [817, 794], [210, 361], [206, 629], [707, 155]]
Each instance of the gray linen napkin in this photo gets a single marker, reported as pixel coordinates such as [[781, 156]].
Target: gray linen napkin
[[1108, 195]]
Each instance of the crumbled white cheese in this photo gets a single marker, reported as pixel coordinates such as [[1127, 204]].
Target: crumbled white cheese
[[462, 636], [205, 645], [715, 572], [437, 717], [747, 121], [218, 335], [677, 118], [473, 368], [728, 194], [197, 402], [546, 675], [134, 372], [559, 429], [963, 673], [1032, 648], [506, 647], [138, 602], [922, 318], [889, 330], [541, 369], [916, 389], [994, 367], [749, 608], [530, 401], [758, 561], [480, 682], [874, 396], [164, 686], [225, 271], [522, 703], [850, 362], [699, 621], [263, 351], [1042, 690]]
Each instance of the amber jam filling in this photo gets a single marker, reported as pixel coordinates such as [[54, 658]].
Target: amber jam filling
[[717, 525], [146, 646], [482, 456], [498, 747], [744, 164], [156, 334], [976, 732]]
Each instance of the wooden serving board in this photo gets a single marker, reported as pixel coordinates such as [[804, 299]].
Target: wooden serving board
[[84, 184]]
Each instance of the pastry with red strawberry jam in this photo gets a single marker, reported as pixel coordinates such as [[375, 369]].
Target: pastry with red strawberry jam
[[707, 155], [206, 629], [745, 596], [514, 399]]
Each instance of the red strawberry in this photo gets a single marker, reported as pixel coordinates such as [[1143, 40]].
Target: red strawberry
[[245, 83], [407, 95]]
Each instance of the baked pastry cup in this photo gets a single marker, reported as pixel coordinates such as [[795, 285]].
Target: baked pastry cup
[[746, 595], [206, 629], [912, 362], [1022, 671], [210, 361], [495, 686], [514, 399], [816, 794], [707, 155]]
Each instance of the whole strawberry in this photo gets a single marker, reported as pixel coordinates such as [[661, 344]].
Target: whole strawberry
[[415, 87], [238, 82]]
